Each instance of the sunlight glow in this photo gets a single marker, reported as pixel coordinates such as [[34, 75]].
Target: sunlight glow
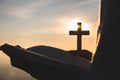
[[72, 25]]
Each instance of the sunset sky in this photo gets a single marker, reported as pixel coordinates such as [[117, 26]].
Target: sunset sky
[[45, 22]]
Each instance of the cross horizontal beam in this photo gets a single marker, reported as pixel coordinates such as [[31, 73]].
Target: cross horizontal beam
[[76, 33]]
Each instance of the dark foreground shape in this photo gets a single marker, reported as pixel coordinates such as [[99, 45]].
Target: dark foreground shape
[[47, 63], [106, 59], [83, 53]]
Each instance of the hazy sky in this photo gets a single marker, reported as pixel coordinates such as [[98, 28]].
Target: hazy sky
[[44, 22]]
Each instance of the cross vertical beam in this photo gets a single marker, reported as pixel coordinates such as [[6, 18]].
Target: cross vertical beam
[[79, 38], [79, 34]]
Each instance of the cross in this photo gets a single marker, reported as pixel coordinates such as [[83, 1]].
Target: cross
[[79, 34]]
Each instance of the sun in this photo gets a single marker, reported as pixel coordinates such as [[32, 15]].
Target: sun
[[72, 25]]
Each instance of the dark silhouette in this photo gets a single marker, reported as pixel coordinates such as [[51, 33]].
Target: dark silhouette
[[82, 53], [79, 34], [47, 63], [104, 66]]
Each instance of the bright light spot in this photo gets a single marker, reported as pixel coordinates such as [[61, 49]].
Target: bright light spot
[[72, 25]]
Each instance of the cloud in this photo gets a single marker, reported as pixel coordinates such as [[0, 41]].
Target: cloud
[[22, 9], [27, 9], [20, 13]]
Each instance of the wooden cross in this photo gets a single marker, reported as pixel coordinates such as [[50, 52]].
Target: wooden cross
[[79, 34]]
